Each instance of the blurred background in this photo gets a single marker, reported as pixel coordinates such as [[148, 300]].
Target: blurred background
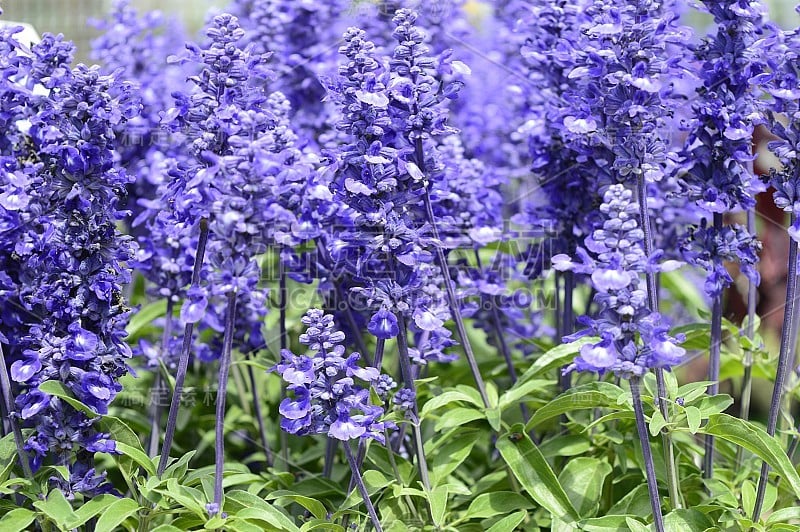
[[69, 16]]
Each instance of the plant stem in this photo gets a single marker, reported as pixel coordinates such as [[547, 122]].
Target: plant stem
[[262, 430], [222, 390], [783, 367], [567, 321], [405, 369], [155, 423], [650, 470], [502, 344], [8, 404], [183, 361], [284, 343], [661, 386], [362, 488], [380, 344], [713, 363], [330, 454], [455, 310], [747, 380]]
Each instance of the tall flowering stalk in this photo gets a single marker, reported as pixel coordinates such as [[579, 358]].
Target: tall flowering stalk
[[717, 155], [781, 84], [238, 137], [621, 97], [64, 261], [633, 338], [327, 395]]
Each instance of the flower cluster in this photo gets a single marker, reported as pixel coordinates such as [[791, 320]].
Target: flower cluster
[[633, 339], [64, 260], [326, 395]]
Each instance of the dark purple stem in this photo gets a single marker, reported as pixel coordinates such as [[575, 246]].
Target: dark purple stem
[[284, 343], [649, 468], [408, 379], [183, 361], [713, 363], [158, 384], [783, 368], [362, 488], [262, 430], [661, 386], [331, 444], [8, 404], [222, 391]]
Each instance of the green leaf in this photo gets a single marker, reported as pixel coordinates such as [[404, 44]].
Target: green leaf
[[144, 317], [591, 395], [437, 498], [714, 404], [784, 514], [693, 418], [167, 528], [320, 524], [457, 417], [583, 479], [607, 523], [635, 526], [138, 456], [257, 508], [495, 503], [508, 524], [657, 422], [748, 498], [17, 519], [177, 470], [521, 390], [91, 508], [57, 389], [116, 514], [450, 455], [687, 520], [316, 508], [755, 440], [534, 473], [494, 417], [450, 396], [683, 290], [556, 357], [57, 508]]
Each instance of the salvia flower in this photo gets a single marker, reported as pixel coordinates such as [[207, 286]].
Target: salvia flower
[[329, 390], [633, 339], [68, 262]]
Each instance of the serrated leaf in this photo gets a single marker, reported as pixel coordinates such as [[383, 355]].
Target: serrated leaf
[[583, 479], [535, 474], [755, 440], [587, 396], [508, 524], [116, 514]]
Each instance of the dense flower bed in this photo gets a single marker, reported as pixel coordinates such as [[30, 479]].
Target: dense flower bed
[[397, 265]]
